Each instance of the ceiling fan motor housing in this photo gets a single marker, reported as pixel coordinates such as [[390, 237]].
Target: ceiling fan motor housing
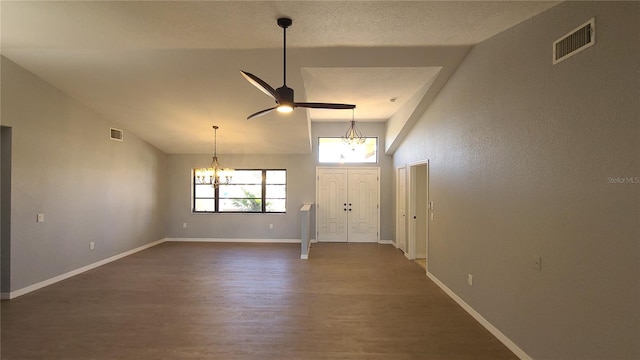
[[285, 95]]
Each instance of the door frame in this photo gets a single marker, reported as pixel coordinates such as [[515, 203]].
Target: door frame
[[411, 191], [347, 168], [6, 139]]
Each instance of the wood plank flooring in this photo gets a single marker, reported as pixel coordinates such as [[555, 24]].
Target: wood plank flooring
[[246, 301]]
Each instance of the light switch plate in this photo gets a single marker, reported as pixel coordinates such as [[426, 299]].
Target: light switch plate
[[40, 218]]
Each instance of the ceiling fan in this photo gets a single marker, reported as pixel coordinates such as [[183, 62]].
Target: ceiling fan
[[284, 95]]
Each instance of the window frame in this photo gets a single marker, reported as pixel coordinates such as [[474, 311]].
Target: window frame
[[216, 197]]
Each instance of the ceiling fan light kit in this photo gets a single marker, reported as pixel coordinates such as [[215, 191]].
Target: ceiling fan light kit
[[284, 95], [285, 108]]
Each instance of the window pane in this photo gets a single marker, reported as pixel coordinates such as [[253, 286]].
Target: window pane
[[243, 194], [276, 191], [246, 177], [240, 191], [335, 150], [205, 191], [276, 176], [276, 205], [204, 205], [248, 205]]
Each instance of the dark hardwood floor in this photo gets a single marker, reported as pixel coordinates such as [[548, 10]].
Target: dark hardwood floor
[[246, 301]]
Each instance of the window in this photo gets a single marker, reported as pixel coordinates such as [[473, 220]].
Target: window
[[335, 150], [252, 191]]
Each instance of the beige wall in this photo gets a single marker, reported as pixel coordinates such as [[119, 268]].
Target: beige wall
[[88, 187], [522, 153]]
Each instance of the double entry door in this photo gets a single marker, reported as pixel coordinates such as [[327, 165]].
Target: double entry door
[[347, 204]]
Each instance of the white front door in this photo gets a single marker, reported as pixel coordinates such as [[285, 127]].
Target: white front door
[[332, 205], [347, 204], [362, 208]]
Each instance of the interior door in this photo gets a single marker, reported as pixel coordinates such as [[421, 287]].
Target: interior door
[[347, 205], [401, 209], [418, 197], [421, 211]]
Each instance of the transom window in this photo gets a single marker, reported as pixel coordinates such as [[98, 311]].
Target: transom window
[[335, 150], [249, 191]]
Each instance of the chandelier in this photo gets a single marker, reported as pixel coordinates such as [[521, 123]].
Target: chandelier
[[214, 175], [353, 136]]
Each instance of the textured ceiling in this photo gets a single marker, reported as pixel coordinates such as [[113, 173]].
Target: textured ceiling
[[169, 70]]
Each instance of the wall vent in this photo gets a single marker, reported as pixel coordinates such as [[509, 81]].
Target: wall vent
[[575, 41], [116, 134]]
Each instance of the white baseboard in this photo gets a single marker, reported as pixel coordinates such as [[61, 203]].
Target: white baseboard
[[53, 280], [231, 240], [306, 256], [484, 322], [363, 241], [387, 242]]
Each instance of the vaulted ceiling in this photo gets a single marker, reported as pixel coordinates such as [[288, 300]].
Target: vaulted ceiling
[[169, 70]]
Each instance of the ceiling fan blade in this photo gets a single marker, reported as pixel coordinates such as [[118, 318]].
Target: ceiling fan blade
[[261, 112], [325, 105], [260, 84]]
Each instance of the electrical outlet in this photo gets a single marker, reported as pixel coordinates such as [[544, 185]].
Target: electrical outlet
[[470, 280], [92, 245], [537, 263], [184, 225]]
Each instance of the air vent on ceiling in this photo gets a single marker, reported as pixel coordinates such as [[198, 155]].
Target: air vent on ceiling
[[575, 41], [117, 134]]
